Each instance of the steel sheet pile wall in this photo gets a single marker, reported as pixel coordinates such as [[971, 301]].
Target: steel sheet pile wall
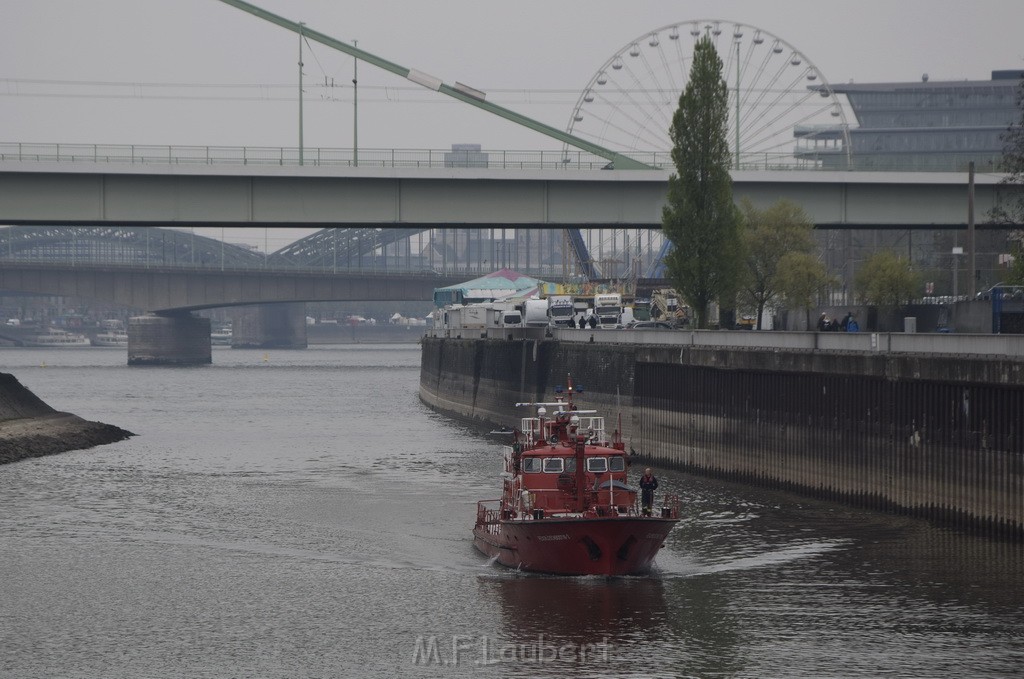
[[937, 436], [475, 379], [484, 379], [952, 452]]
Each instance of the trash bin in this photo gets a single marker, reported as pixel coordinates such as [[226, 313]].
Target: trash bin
[[910, 324]]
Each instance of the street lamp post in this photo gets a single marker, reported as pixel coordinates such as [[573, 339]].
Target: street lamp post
[[300, 92], [737, 104], [957, 251], [355, 108]]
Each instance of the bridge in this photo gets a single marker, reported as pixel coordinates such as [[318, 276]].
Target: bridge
[[171, 273], [170, 290], [583, 186], [375, 208], [190, 186]]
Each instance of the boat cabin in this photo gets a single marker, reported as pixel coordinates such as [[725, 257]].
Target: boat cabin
[[564, 464]]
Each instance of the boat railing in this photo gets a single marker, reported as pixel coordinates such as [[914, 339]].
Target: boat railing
[[488, 512], [590, 425], [672, 504]]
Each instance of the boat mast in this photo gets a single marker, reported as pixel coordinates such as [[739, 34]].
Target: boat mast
[[581, 475]]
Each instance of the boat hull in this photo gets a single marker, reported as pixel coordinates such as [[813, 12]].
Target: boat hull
[[61, 344], [607, 546], [105, 341]]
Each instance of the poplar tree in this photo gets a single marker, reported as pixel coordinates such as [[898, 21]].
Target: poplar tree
[[700, 218]]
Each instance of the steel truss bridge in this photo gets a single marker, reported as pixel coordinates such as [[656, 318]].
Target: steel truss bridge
[[549, 254]]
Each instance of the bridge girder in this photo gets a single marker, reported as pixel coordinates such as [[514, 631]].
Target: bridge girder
[[121, 244], [342, 245]]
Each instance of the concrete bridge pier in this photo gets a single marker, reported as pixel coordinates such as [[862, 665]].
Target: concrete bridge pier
[[172, 339], [269, 326]]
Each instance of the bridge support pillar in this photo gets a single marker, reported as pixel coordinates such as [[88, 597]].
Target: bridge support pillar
[[269, 326], [181, 339]]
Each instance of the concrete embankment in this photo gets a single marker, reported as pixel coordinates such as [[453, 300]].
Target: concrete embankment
[[31, 428], [929, 435]]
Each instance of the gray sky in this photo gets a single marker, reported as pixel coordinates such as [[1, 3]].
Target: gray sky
[[100, 71]]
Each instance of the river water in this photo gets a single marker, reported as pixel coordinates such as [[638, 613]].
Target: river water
[[301, 514]]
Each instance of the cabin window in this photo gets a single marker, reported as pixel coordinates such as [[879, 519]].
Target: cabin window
[[597, 464], [552, 465], [531, 464], [570, 465], [617, 464]]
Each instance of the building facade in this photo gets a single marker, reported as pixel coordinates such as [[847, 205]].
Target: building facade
[[926, 125]]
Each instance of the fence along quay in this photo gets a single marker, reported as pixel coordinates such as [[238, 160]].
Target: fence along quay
[[924, 433]]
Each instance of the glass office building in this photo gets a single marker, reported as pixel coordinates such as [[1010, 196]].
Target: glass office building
[[926, 125]]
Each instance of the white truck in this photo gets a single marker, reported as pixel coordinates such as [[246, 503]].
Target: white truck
[[535, 313], [560, 311], [608, 308], [465, 321]]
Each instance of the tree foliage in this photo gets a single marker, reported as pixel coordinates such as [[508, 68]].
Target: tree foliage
[[886, 280], [1010, 206], [1015, 274], [801, 279], [768, 235], [700, 218]]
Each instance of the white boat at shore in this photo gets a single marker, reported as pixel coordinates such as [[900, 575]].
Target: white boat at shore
[[56, 338], [111, 338], [221, 337]]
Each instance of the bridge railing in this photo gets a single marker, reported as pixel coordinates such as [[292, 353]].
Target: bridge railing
[[1009, 347], [139, 154], [499, 159]]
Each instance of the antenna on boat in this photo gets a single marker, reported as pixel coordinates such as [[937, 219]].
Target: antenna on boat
[[617, 439]]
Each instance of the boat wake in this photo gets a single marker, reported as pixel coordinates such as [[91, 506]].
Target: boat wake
[[672, 565]]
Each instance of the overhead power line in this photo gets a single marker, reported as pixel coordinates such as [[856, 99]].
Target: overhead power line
[[105, 89]]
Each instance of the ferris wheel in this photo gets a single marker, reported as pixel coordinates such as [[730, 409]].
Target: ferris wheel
[[782, 111]]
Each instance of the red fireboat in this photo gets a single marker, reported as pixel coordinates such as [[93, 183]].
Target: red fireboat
[[566, 506]]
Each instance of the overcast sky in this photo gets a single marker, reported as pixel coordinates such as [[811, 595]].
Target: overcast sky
[[101, 71]]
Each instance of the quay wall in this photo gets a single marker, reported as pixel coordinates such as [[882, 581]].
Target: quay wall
[[936, 436]]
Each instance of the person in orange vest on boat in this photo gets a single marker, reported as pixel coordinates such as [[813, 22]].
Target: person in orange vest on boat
[[647, 486]]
